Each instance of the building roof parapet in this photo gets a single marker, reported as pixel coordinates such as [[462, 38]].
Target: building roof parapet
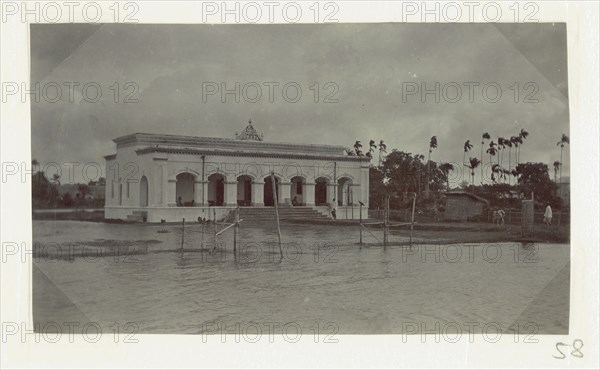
[[256, 154], [197, 142]]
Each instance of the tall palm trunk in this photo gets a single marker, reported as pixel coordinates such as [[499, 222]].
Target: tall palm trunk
[[482, 142], [427, 185], [464, 164], [509, 152], [560, 170]]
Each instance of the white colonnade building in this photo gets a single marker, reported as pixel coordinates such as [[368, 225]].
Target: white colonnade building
[[170, 177]]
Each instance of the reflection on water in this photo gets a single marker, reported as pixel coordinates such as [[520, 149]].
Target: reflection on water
[[324, 278]]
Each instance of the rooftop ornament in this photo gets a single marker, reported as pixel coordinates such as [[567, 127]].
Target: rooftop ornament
[[249, 133]]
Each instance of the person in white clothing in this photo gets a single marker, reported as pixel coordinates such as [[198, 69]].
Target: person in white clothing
[[548, 215], [333, 210]]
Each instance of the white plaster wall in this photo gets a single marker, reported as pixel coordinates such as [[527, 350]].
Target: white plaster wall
[[161, 170]]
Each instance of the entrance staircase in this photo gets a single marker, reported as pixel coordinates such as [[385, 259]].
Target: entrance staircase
[[267, 214]]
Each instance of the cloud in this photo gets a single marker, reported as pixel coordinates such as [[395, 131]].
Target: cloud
[[367, 64]]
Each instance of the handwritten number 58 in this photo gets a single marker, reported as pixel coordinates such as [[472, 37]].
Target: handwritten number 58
[[576, 352]]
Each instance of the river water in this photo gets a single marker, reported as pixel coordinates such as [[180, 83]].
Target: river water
[[325, 281]]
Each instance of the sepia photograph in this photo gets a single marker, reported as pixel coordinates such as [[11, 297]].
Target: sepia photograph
[[280, 182], [234, 175]]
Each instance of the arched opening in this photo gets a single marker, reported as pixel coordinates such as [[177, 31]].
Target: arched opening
[[244, 190], [144, 192], [216, 190], [184, 189], [321, 191], [268, 193], [345, 196], [297, 191]]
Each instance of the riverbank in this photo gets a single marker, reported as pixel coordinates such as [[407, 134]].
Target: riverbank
[[437, 233], [487, 233]]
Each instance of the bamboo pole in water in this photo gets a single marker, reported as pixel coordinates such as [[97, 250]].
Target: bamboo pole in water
[[412, 220], [385, 222], [202, 236], [275, 201], [182, 232], [360, 225], [351, 201], [215, 229], [236, 229]]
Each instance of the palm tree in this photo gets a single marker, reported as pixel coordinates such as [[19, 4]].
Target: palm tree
[[523, 135], [56, 179], [501, 143], [357, 147], [372, 145], [515, 174], [467, 146], [509, 144], [496, 170], [564, 139], [432, 145], [506, 174], [446, 168], [517, 141], [350, 152], [491, 150], [473, 164], [382, 149], [556, 165], [484, 137]]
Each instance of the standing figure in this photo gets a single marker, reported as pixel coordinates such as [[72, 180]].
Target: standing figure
[[333, 210], [498, 216], [548, 215]]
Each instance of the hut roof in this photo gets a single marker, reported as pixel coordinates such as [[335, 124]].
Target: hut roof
[[466, 194]]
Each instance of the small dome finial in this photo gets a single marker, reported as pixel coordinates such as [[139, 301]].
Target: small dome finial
[[249, 133]]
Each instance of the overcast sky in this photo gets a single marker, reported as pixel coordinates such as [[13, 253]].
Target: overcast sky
[[367, 62]]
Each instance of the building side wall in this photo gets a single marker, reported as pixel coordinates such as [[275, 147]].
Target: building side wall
[[123, 178]]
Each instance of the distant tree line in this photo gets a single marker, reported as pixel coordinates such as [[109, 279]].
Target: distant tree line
[[45, 193]]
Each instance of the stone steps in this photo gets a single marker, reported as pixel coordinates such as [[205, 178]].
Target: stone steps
[[267, 214]]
